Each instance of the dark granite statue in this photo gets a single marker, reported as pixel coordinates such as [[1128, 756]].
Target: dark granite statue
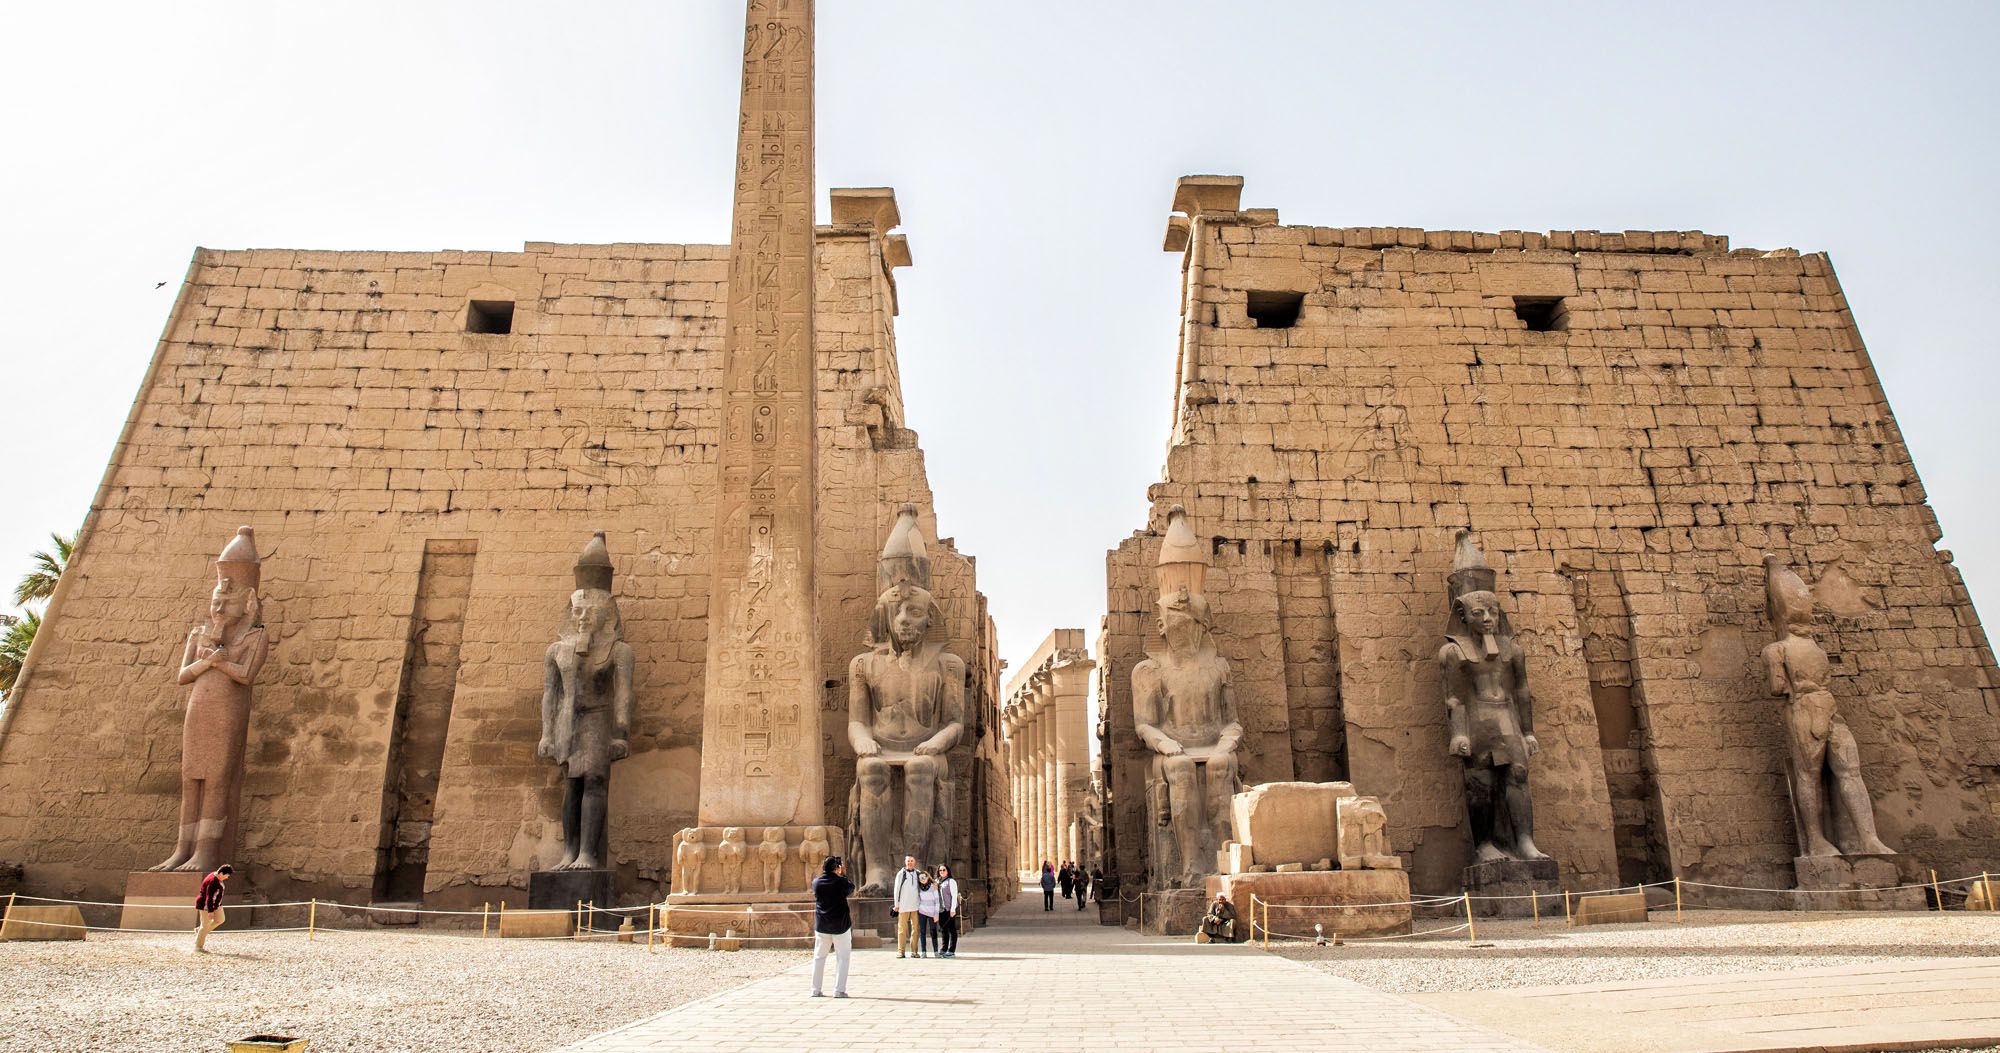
[[1492, 712], [587, 706]]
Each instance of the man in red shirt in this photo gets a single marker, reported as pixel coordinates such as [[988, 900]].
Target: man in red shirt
[[208, 903]]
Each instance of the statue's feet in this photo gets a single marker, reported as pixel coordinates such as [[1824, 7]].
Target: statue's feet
[[577, 863], [873, 889], [1488, 852], [173, 862], [1525, 849], [1820, 846], [1874, 847]]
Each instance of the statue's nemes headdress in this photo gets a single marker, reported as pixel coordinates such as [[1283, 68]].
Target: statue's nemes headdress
[[1182, 570]]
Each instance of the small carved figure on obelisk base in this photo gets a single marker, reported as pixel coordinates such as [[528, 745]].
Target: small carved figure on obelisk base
[[1823, 755], [906, 710], [587, 706], [222, 659], [1492, 713], [1184, 710], [689, 855]]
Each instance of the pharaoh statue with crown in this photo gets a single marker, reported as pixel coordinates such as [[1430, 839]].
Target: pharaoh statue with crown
[[1184, 710], [1829, 801], [587, 706], [906, 710], [1491, 711], [221, 661]]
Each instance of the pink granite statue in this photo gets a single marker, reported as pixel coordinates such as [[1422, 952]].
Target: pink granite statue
[[222, 659]]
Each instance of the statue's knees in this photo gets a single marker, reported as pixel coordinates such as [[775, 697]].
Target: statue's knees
[[1841, 754], [596, 785], [1517, 776], [1479, 784], [873, 775], [1178, 771], [924, 770], [1222, 775]]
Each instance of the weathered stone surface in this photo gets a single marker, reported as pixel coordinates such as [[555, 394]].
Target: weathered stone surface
[[1364, 836], [1288, 822], [537, 924], [1858, 882], [1509, 884], [26, 921], [1348, 902], [1172, 912], [1618, 908], [564, 889], [587, 710], [1627, 466]]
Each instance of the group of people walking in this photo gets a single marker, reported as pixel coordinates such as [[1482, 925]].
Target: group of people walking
[[1074, 882]]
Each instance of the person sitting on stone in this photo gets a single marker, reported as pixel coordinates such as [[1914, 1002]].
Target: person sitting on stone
[[1219, 924]]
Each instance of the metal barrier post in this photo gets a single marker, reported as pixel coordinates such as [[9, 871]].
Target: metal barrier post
[[312, 919], [1535, 901], [1471, 933], [1937, 894], [1267, 923], [1986, 880], [1568, 918], [1677, 898], [485, 909], [652, 911], [10, 909], [575, 916]]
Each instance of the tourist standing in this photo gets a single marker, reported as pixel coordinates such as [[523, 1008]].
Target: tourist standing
[[927, 915], [208, 904], [1048, 885], [833, 927], [1066, 877], [1082, 887], [903, 904], [948, 910]]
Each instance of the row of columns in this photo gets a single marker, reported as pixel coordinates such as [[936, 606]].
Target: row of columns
[[1046, 724]]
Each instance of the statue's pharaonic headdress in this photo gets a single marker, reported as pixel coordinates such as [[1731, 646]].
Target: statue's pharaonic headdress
[[239, 559], [1182, 570], [902, 573], [1471, 574]]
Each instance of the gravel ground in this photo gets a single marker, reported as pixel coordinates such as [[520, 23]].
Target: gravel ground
[[1708, 942], [350, 992]]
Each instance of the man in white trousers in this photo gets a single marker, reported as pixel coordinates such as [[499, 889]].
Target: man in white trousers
[[833, 927]]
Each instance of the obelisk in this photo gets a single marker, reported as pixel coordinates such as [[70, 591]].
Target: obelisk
[[760, 740], [761, 835]]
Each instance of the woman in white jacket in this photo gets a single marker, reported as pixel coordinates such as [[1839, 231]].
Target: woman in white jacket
[[927, 914]]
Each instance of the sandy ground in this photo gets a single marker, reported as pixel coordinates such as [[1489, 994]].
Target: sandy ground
[[350, 992], [1708, 942]]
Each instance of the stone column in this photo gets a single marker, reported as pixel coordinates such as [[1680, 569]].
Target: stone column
[[1051, 790]]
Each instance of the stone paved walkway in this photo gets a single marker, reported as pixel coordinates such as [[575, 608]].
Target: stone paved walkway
[[1032, 980], [1919, 1003]]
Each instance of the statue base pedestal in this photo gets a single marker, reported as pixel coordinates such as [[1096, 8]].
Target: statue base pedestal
[[871, 914], [564, 889], [1852, 883], [1344, 902], [1174, 912], [1524, 878], [164, 900]]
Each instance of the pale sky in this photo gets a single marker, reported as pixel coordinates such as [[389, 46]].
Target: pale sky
[[1033, 146]]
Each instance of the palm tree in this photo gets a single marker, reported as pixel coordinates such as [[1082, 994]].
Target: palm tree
[[14, 640], [40, 583]]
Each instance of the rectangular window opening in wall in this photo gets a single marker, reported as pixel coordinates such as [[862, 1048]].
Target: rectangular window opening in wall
[[489, 316], [1275, 310], [1542, 314]]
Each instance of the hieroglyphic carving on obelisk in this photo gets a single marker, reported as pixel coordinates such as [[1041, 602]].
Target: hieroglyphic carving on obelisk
[[760, 758]]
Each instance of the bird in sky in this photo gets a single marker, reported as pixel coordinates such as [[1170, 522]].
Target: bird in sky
[[159, 285]]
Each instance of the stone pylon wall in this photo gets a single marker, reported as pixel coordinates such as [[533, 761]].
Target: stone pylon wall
[[1692, 409], [335, 402]]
